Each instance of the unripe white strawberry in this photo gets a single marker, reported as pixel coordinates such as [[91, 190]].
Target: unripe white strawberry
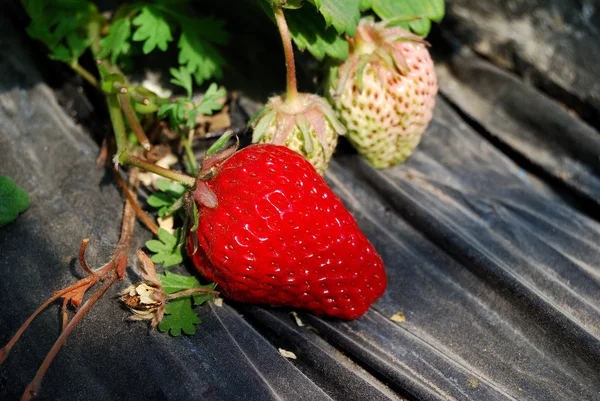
[[385, 92], [308, 125]]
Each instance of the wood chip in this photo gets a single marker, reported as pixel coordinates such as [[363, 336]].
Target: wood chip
[[166, 223], [398, 317], [299, 321], [473, 382], [287, 354]]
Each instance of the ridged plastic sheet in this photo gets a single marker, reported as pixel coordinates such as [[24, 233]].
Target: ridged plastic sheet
[[495, 263]]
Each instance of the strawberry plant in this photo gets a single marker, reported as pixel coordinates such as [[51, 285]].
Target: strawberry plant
[[259, 223]]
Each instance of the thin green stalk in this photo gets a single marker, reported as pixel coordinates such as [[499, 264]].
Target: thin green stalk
[[187, 145], [192, 163], [85, 74], [292, 88], [94, 30], [139, 98], [114, 110], [178, 204], [133, 121], [191, 291], [116, 117], [127, 158], [120, 87]]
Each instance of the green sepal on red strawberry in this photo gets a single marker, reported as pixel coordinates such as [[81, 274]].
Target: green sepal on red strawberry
[[273, 232]]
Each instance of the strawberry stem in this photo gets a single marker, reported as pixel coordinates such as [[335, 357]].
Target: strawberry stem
[[133, 121], [127, 158], [191, 291], [138, 210], [85, 74], [114, 110], [116, 117], [65, 315], [186, 140], [5, 351], [110, 272], [178, 204], [292, 88], [34, 387], [82, 260], [139, 98], [94, 32]]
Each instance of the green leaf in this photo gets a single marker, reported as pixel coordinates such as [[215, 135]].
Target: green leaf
[[173, 283], [182, 77], [166, 237], [209, 103], [292, 4], [60, 53], [166, 249], [13, 200], [427, 10], [157, 246], [166, 110], [171, 193], [219, 144], [62, 25], [184, 111], [173, 259], [309, 32], [117, 40], [153, 29], [34, 8], [172, 187], [191, 118], [342, 14], [159, 200], [77, 44], [175, 112], [159, 257], [179, 316], [434, 9], [197, 49]]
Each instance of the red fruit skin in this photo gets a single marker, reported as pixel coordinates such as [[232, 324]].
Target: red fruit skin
[[280, 236]]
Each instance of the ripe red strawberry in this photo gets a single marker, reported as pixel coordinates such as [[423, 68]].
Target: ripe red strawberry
[[385, 92], [278, 235]]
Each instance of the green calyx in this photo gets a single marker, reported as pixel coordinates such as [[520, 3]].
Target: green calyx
[[307, 112], [216, 155], [308, 125], [374, 43]]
